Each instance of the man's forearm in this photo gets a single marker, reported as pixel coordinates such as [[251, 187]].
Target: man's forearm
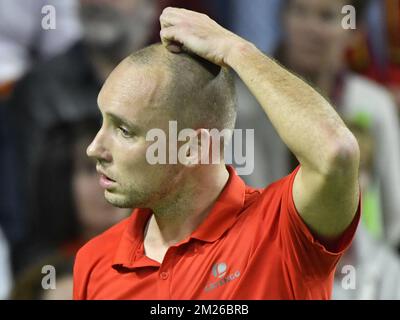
[[305, 121]]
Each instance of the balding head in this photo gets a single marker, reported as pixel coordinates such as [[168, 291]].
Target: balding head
[[198, 94]]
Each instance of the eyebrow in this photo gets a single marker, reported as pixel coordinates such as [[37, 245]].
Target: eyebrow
[[118, 119]]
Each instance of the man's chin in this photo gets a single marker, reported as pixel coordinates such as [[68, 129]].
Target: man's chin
[[116, 200], [121, 201]]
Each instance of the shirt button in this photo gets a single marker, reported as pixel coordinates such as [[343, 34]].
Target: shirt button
[[164, 275]]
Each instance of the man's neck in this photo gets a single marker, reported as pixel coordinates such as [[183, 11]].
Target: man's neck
[[178, 218]]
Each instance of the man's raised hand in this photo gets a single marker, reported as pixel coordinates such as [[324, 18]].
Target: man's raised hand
[[195, 32]]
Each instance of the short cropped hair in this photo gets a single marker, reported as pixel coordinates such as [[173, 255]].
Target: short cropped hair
[[199, 94]]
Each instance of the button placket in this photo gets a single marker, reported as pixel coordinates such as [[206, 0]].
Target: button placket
[[166, 265], [166, 269]]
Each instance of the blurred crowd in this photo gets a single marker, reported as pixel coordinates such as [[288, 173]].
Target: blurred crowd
[[50, 199]]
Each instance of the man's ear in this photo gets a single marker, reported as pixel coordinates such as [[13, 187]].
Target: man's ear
[[197, 150], [204, 143]]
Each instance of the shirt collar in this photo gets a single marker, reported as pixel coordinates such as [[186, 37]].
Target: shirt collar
[[222, 216], [224, 212]]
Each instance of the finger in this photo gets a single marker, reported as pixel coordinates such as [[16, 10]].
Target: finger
[[169, 18], [171, 34], [172, 39], [168, 10], [174, 47], [177, 16], [167, 21], [181, 11]]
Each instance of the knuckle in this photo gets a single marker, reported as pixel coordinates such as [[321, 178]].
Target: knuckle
[[185, 28], [185, 24], [168, 10]]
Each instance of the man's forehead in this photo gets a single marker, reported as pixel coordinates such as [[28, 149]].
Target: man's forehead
[[131, 84]]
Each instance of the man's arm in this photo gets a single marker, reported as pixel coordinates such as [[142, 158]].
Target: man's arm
[[326, 190]]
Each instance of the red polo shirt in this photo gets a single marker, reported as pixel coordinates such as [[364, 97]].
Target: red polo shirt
[[252, 245]]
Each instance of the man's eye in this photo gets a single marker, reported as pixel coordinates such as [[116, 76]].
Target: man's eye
[[125, 133]]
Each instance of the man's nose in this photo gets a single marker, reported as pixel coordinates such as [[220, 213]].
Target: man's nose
[[97, 150]]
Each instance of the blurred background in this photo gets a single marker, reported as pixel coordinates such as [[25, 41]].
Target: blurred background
[[50, 75]]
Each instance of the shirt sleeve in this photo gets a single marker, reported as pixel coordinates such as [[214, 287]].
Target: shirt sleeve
[[302, 250]]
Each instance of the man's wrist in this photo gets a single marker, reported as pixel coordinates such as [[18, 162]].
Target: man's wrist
[[238, 51]]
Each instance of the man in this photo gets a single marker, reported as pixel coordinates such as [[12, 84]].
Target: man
[[199, 232]]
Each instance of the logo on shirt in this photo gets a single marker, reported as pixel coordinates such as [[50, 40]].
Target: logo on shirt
[[219, 271]]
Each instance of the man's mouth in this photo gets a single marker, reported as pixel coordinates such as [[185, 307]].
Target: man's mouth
[[106, 182]]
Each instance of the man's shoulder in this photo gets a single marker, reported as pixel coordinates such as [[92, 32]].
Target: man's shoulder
[[102, 245], [271, 193]]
